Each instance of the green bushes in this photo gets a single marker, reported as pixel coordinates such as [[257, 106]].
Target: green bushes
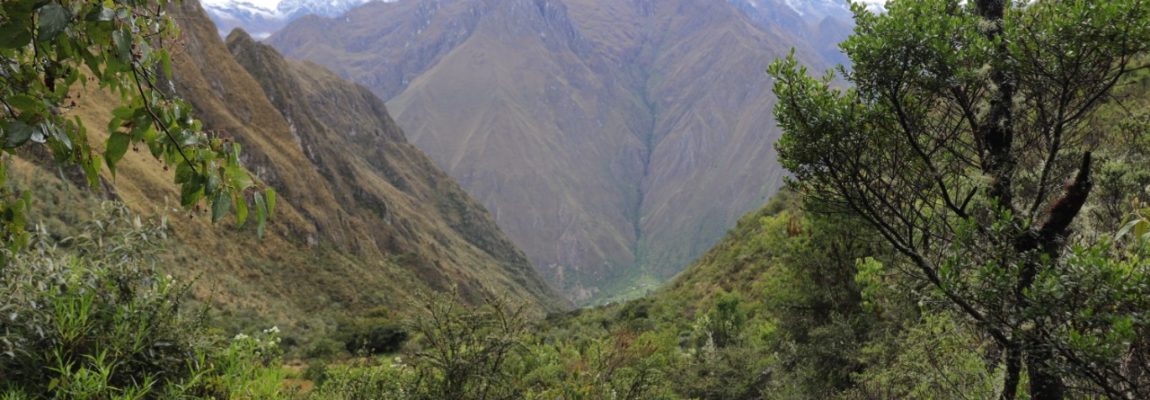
[[372, 333], [488, 352], [86, 318]]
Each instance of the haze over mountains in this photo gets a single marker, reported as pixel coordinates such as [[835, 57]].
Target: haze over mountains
[[614, 141]]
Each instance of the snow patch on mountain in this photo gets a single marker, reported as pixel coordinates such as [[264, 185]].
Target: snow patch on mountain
[[823, 8], [283, 9], [261, 18]]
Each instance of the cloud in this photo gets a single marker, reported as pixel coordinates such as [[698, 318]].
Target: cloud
[[873, 5]]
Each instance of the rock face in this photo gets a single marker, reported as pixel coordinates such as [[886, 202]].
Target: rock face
[[364, 218], [614, 141]]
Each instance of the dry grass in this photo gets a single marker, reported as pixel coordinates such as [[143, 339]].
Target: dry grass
[[366, 221]]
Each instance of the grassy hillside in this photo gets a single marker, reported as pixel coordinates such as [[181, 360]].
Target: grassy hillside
[[365, 220]]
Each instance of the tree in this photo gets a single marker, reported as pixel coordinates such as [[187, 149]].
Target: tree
[[962, 124], [48, 48]]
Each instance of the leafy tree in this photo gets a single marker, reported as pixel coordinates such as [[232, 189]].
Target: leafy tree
[[50, 48], [816, 304], [725, 322], [963, 123]]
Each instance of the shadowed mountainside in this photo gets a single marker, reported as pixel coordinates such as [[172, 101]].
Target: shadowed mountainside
[[614, 141]]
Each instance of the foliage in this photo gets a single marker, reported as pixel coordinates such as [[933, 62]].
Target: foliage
[[351, 381], [723, 325], [372, 334], [378, 340], [935, 358], [464, 353], [620, 365], [488, 353], [86, 317], [50, 48], [963, 121]]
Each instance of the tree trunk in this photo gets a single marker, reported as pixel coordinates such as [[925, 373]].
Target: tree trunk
[[1013, 372], [1045, 382]]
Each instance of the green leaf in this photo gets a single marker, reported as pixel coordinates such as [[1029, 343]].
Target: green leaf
[[190, 193], [16, 133], [241, 209], [15, 33], [27, 103], [124, 112], [166, 62], [213, 182], [239, 178], [117, 146], [51, 20], [123, 44], [221, 204], [1141, 228], [92, 170], [271, 196], [261, 214], [184, 173]]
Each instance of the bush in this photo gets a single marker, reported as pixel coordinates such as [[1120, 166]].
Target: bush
[[85, 317], [387, 381], [379, 339], [324, 349], [372, 333]]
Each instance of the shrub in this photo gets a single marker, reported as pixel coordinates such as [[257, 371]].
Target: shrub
[[376, 339], [86, 318]]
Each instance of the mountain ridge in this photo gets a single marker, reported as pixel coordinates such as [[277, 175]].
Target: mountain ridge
[[364, 220], [581, 124]]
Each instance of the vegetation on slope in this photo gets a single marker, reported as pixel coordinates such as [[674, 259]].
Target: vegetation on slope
[[363, 220], [970, 154], [802, 299]]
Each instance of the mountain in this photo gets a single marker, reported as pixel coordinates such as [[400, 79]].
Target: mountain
[[364, 219], [614, 141], [825, 23], [262, 17]]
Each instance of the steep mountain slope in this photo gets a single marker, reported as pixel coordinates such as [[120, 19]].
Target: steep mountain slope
[[825, 23], [613, 141], [364, 218]]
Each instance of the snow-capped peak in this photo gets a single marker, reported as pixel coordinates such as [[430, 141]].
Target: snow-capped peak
[[243, 8], [263, 17], [281, 9], [327, 8]]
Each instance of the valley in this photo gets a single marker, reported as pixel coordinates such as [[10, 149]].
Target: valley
[[581, 124], [574, 199]]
